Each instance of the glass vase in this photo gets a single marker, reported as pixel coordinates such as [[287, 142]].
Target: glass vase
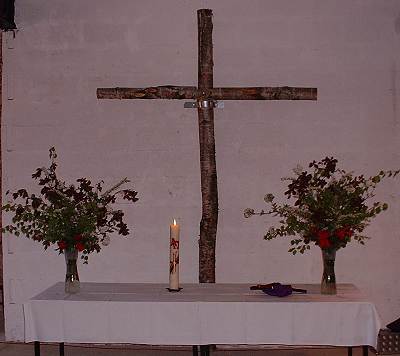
[[72, 284], [328, 283]]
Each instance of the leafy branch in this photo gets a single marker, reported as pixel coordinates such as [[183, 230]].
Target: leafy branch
[[330, 206], [72, 216]]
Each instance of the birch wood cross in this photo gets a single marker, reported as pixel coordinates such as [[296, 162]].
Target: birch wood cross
[[206, 95]]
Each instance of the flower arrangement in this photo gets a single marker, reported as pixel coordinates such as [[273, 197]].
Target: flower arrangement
[[74, 217], [330, 207]]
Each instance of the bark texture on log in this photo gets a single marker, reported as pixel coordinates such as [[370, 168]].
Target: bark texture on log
[[160, 92], [183, 92], [209, 190], [1, 165], [209, 194], [264, 93]]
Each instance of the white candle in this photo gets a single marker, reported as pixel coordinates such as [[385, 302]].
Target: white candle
[[174, 256]]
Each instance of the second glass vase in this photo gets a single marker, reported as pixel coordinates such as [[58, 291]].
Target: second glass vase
[[328, 283]]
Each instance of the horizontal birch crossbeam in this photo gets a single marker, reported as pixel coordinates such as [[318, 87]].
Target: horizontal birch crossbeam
[[189, 92]]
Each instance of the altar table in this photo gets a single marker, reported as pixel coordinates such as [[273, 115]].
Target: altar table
[[200, 314]]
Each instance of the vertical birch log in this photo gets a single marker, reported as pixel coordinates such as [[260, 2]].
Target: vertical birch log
[[1, 160], [209, 190]]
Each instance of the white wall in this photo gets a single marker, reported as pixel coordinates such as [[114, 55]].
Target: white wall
[[64, 50]]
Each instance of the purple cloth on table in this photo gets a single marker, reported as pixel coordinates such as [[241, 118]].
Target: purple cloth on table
[[281, 290]]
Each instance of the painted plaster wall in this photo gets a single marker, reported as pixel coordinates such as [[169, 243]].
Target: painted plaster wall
[[64, 50]]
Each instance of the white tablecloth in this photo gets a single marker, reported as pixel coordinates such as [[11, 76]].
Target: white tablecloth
[[200, 314]]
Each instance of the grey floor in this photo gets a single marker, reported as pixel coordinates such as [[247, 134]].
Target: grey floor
[[20, 349]]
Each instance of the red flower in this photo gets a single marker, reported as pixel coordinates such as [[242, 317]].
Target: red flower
[[349, 232], [80, 246], [78, 238], [323, 239], [62, 245], [341, 234], [324, 243], [323, 235]]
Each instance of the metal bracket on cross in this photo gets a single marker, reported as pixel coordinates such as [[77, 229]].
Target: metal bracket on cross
[[204, 104]]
